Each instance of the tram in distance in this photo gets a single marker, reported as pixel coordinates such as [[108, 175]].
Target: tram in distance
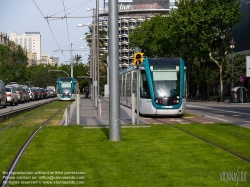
[[67, 88], [162, 86]]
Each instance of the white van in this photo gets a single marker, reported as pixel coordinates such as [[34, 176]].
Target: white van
[[3, 97], [51, 88]]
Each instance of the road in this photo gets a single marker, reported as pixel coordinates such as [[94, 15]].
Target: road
[[234, 113]]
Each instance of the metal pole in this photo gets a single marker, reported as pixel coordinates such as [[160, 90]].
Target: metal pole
[[232, 70], [242, 92], [77, 109], [114, 102], [94, 59], [108, 69], [133, 108], [137, 96], [71, 69], [137, 49], [97, 51], [71, 63], [92, 75], [66, 117]]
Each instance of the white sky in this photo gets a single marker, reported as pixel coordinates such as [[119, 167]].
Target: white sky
[[28, 16]]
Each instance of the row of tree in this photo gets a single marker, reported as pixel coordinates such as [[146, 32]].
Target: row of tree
[[199, 32], [13, 68]]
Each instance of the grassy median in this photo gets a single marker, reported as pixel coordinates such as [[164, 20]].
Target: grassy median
[[157, 156], [13, 137]]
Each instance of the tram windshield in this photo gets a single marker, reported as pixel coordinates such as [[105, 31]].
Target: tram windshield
[[66, 87], [166, 80]]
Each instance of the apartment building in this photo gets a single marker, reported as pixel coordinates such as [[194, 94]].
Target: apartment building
[[4, 39], [49, 60], [30, 41], [131, 14]]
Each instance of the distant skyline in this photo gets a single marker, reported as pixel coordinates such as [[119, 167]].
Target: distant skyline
[[56, 33]]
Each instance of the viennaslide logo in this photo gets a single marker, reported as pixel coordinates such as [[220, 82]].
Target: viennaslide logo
[[237, 176]]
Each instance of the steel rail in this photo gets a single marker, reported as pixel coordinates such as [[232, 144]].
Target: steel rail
[[16, 159], [207, 141], [1, 129], [16, 110]]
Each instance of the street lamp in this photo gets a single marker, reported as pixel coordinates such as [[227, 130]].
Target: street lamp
[[232, 44], [71, 64], [95, 56], [96, 50]]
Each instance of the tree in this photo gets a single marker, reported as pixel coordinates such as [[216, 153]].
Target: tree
[[239, 67], [198, 31], [77, 58], [13, 62]]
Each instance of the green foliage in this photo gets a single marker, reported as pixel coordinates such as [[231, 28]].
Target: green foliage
[[193, 31], [77, 59], [239, 67], [81, 70], [13, 62]]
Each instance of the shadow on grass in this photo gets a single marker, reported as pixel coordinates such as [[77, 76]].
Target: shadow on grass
[[105, 130]]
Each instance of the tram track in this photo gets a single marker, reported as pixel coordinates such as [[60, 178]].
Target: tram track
[[12, 111], [10, 170], [203, 139], [16, 122]]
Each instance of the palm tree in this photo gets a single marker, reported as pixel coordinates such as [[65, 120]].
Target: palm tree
[[77, 58]]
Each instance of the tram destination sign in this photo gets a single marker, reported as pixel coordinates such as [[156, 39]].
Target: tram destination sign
[[165, 67]]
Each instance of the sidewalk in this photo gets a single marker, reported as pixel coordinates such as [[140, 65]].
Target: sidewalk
[[89, 113]]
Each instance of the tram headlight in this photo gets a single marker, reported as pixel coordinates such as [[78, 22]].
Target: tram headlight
[[158, 101]]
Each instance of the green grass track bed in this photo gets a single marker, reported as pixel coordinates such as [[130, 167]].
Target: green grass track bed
[[158, 156]]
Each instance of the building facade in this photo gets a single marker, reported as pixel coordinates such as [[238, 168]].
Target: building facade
[[48, 60], [131, 14], [30, 41], [4, 39]]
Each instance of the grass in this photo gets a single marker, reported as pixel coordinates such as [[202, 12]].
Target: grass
[[12, 138], [231, 137], [156, 156]]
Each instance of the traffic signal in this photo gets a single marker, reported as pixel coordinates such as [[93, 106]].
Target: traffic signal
[[138, 58], [48, 70]]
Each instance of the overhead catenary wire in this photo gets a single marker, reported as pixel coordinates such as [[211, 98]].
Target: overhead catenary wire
[[49, 28], [80, 5], [50, 18], [70, 44]]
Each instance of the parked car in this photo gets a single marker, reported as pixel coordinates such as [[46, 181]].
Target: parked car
[[11, 95], [41, 93], [48, 94], [36, 93], [31, 94], [51, 88], [3, 97], [25, 94], [18, 89], [52, 93], [19, 92], [44, 93]]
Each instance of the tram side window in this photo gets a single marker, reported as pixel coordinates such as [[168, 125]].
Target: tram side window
[[144, 89]]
